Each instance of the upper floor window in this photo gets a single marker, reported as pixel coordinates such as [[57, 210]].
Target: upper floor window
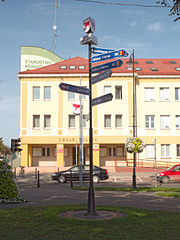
[[178, 150], [118, 121], [84, 121], [107, 121], [36, 93], [149, 94], [107, 89], [71, 95], [177, 93], [149, 119], [72, 121], [47, 121], [47, 93], [164, 121], [164, 94], [177, 121], [118, 92], [36, 121]]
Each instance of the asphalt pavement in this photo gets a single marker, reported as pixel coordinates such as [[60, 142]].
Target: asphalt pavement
[[53, 193]]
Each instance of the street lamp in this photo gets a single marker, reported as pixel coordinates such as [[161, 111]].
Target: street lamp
[[131, 63]]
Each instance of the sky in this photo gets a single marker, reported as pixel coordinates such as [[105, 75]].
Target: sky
[[149, 31]]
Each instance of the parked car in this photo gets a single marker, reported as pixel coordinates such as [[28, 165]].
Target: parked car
[[171, 174], [64, 176]]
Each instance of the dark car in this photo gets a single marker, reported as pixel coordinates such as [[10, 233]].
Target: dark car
[[64, 176], [170, 174]]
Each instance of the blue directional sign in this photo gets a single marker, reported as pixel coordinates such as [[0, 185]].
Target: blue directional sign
[[73, 88], [101, 76], [106, 56], [97, 50], [105, 98], [106, 66]]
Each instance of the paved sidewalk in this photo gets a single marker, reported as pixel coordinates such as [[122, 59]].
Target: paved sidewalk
[[53, 193]]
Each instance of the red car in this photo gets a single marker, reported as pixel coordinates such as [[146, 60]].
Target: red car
[[171, 174]]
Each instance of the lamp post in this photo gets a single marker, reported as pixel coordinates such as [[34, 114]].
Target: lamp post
[[131, 62]]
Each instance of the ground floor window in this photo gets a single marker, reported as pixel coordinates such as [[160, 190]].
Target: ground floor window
[[150, 151], [165, 150]]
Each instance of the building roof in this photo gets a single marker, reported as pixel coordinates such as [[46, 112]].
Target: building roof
[[143, 66]]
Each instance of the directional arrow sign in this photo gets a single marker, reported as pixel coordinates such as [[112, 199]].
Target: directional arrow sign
[[105, 98], [101, 76], [115, 54], [73, 88], [106, 66], [97, 50]]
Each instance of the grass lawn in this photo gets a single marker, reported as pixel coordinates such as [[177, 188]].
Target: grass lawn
[[35, 223]]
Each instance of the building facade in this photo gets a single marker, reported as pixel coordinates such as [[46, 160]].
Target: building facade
[[49, 130]]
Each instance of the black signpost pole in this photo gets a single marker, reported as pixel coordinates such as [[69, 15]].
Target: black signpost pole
[[91, 199]]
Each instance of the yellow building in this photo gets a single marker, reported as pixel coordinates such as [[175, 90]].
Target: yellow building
[[49, 130]]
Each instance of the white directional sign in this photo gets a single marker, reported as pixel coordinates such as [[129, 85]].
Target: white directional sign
[[97, 50]]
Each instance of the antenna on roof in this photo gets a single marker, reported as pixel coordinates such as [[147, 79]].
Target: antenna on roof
[[56, 4]]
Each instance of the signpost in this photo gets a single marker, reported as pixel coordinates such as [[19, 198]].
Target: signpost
[[73, 88], [106, 66], [97, 50], [90, 38], [101, 76], [106, 56], [105, 98]]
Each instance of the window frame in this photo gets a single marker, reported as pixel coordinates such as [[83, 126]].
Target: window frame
[[105, 123], [165, 153], [149, 96], [161, 120], [45, 98], [161, 95], [118, 92], [73, 116], [39, 92], [117, 119], [33, 123], [150, 119], [45, 121]]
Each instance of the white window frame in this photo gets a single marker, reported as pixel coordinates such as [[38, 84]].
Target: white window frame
[[177, 94], [69, 123], [178, 150], [46, 116], [34, 97], [177, 121], [107, 89], [45, 97], [164, 121], [116, 120], [165, 150], [105, 123], [71, 96], [118, 92], [34, 123], [150, 151], [149, 121], [149, 94], [164, 93]]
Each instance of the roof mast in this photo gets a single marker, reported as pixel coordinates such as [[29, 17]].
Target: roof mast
[[55, 17]]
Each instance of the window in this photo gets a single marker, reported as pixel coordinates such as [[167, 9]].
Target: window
[[36, 121], [84, 121], [107, 121], [178, 150], [177, 94], [150, 151], [149, 94], [36, 152], [164, 94], [45, 152], [63, 67], [153, 69], [47, 93], [120, 151], [177, 69], [112, 151], [138, 69], [118, 121], [118, 92], [165, 150], [47, 121], [71, 95], [71, 121], [149, 62], [36, 93], [172, 62], [81, 67], [107, 89], [149, 121], [72, 67], [164, 121], [177, 121]]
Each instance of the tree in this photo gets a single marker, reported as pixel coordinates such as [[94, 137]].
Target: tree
[[175, 8]]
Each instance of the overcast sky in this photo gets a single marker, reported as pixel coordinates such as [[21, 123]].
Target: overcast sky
[[150, 31]]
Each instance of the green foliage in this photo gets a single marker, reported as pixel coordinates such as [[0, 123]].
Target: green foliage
[[8, 188]]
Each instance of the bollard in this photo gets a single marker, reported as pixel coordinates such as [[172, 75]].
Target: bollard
[[71, 180], [35, 173], [38, 182]]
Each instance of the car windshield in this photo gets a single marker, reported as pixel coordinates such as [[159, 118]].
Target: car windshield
[[169, 168]]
